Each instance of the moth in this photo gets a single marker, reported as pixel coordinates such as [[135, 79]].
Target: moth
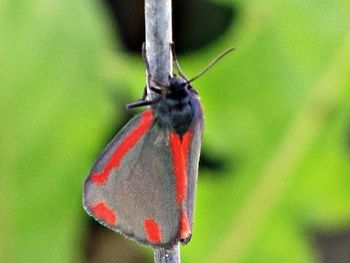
[[143, 183]]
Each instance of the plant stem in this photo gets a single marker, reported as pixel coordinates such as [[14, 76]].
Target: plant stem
[[167, 256], [158, 22], [158, 38]]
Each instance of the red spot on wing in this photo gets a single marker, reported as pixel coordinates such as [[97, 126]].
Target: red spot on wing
[[152, 230], [107, 214], [180, 151], [125, 145], [185, 230]]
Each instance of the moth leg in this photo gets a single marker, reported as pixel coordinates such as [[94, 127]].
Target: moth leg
[[149, 76], [142, 102], [176, 64], [144, 56]]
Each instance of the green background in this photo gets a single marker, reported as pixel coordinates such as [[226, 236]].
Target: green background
[[278, 110]]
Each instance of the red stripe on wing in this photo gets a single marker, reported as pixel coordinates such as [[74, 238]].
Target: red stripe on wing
[[180, 151], [129, 141], [152, 230], [102, 211], [185, 230], [186, 140]]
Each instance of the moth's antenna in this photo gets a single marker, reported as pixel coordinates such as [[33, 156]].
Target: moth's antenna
[[211, 64]]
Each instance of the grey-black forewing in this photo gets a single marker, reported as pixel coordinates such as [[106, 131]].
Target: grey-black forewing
[[131, 187], [185, 151], [196, 129]]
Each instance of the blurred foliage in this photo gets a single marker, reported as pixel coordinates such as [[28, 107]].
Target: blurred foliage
[[278, 111]]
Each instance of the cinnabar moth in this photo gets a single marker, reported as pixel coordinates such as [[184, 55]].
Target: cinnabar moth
[[143, 183]]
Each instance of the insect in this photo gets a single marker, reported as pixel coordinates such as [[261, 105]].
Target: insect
[[143, 183]]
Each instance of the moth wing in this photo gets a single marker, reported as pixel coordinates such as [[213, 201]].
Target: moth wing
[[192, 169], [130, 188], [194, 135]]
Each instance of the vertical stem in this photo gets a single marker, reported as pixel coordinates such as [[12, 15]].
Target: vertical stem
[[158, 22], [167, 256]]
